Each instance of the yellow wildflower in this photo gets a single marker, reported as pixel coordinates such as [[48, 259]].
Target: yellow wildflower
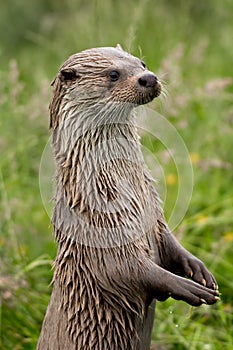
[[228, 236], [194, 157], [171, 179], [202, 219]]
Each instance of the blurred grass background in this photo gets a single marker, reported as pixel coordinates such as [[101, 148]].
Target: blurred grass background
[[187, 43]]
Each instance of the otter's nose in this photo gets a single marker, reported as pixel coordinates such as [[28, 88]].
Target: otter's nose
[[148, 80]]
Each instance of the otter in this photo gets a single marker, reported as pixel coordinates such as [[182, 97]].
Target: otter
[[116, 254]]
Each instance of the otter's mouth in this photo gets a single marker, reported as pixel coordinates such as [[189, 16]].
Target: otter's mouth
[[157, 90], [148, 87], [147, 94]]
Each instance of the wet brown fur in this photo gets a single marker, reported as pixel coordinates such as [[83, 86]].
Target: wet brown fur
[[110, 264]]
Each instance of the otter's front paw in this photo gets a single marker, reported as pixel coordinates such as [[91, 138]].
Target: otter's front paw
[[196, 270], [190, 292], [164, 284]]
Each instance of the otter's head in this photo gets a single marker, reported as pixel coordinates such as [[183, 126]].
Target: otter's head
[[101, 76]]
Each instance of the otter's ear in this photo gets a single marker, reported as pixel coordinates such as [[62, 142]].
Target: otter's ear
[[68, 75], [118, 47]]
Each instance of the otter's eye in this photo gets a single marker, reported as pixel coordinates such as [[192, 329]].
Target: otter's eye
[[114, 75], [68, 74], [143, 64]]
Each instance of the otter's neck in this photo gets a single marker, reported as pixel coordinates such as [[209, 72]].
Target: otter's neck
[[92, 128]]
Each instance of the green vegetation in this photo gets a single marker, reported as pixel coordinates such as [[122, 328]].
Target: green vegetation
[[187, 43]]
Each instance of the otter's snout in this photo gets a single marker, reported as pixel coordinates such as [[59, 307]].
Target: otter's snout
[[149, 86], [148, 80]]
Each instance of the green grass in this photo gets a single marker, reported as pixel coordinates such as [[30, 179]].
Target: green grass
[[188, 44]]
